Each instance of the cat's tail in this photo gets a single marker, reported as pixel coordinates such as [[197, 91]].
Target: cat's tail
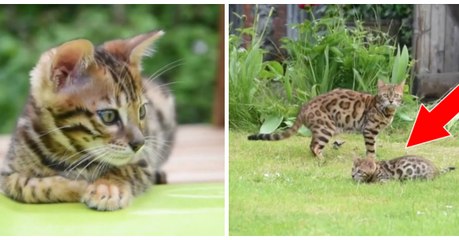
[[281, 135], [447, 169]]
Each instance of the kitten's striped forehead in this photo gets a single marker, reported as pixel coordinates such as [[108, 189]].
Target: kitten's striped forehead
[[392, 88], [124, 80]]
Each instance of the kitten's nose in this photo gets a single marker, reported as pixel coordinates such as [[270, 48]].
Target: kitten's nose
[[136, 138], [137, 144]]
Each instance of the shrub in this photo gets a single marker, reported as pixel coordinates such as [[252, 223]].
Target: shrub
[[327, 54]]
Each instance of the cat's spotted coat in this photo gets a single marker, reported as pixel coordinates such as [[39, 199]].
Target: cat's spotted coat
[[345, 110], [401, 168]]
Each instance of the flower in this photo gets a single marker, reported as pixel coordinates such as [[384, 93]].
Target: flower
[[304, 6]]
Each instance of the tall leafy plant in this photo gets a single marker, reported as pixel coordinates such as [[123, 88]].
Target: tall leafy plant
[[245, 67], [400, 66]]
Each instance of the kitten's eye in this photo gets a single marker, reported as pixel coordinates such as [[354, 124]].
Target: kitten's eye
[[108, 116], [142, 112], [385, 95]]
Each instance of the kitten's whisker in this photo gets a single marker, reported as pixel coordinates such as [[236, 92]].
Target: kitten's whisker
[[79, 152], [101, 165], [166, 68], [159, 153], [156, 138], [166, 84], [84, 158], [158, 143], [67, 158], [79, 162], [101, 155], [52, 130]]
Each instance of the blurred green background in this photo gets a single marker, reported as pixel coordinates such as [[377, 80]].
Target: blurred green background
[[188, 51]]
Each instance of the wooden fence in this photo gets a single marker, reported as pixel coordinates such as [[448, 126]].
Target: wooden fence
[[435, 49]]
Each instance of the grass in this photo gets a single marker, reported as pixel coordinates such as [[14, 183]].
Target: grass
[[278, 188]]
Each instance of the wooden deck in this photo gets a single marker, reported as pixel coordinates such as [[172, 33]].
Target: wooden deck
[[198, 155]]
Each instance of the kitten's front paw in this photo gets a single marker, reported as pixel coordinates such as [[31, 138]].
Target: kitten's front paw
[[104, 195]]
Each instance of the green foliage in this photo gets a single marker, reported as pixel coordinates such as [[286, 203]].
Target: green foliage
[[246, 71], [190, 43], [453, 125], [401, 14], [303, 131], [328, 53], [399, 68], [270, 124]]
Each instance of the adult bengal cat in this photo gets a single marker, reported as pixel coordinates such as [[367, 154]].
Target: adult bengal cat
[[345, 110], [93, 130]]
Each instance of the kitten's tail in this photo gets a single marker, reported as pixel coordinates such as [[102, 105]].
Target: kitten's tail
[[281, 135], [447, 169]]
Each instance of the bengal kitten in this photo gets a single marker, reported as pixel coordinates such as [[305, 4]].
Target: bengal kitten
[[93, 130], [401, 168], [344, 110]]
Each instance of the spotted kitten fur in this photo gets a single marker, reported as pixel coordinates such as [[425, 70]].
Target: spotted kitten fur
[[401, 168], [93, 130], [345, 110]]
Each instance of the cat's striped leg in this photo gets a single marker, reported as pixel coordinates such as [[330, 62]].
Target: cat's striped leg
[[32, 189], [369, 135], [116, 189], [320, 137]]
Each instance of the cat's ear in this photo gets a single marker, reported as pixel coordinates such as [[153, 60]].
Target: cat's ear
[[370, 163], [400, 86], [133, 49], [381, 84], [70, 61]]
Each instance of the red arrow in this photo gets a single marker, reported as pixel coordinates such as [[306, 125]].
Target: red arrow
[[430, 125]]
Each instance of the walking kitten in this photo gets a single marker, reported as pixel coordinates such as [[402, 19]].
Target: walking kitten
[[345, 110], [93, 130], [401, 168]]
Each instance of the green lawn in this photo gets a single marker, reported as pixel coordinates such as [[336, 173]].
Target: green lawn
[[278, 188]]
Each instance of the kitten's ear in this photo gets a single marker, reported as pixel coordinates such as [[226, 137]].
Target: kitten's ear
[[381, 83], [400, 86], [133, 49], [371, 163], [70, 60]]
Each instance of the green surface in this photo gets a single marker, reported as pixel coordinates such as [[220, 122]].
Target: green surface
[[185, 209]]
